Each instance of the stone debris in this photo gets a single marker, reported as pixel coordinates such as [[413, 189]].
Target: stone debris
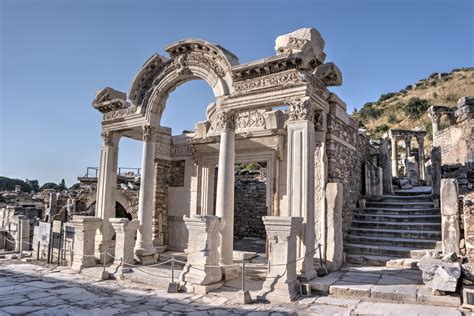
[[440, 275]]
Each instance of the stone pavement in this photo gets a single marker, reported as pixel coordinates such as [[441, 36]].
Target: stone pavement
[[49, 290]]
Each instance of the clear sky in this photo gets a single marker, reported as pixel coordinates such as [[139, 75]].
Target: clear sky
[[56, 54]]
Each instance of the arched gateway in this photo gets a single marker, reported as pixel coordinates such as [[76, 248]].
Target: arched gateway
[[246, 122]]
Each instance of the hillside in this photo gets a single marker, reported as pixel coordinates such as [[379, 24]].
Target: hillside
[[407, 108]]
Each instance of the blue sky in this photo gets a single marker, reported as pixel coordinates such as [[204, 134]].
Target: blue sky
[[56, 54]]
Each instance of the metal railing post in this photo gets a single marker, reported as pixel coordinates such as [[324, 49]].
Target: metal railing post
[[243, 275], [172, 269]]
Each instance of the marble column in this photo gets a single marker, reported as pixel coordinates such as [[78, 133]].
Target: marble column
[[394, 157], [225, 123], [300, 178], [124, 240], [435, 120], [85, 228], [334, 249], [106, 190], [144, 249], [407, 154], [384, 157], [281, 283], [421, 158]]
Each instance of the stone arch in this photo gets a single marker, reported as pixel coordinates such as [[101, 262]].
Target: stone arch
[[191, 59]]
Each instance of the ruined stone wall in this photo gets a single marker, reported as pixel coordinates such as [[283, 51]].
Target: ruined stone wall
[[250, 206], [160, 216], [468, 225], [457, 153], [347, 152]]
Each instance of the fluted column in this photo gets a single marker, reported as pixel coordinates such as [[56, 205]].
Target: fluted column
[[106, 192], [421, 158], [144, 244], [394, 157], [407, 154], [225, 184], [300, 178]]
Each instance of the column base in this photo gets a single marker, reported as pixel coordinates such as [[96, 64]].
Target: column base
[[146, 256], [230, 273], [200, 289], [279, 292]]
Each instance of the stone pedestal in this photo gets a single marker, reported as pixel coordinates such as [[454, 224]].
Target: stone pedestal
[[144, 250], [85, 228], [124, 240], [450, 215], [202, 272], [282, 282], [334, 247]]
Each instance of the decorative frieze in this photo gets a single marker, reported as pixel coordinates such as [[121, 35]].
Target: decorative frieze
[[282, 78], [250, 120], [181, 150], [110, 116]]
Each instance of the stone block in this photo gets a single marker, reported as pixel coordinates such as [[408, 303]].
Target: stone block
[[440, 275], [396, 293], [450, 215], [85, 228], [425, 296], [124, 240], [334, 246], [351, 290], [306, 41]]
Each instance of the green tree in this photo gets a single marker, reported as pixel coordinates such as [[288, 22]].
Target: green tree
[[49, 185], [62, 185], [416, 107]]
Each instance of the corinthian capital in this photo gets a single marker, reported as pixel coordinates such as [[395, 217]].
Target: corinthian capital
[[300, 109], [107, 138], [224, 120], [149, 132]]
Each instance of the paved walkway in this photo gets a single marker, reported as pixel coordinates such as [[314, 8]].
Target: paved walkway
[[39, 290]]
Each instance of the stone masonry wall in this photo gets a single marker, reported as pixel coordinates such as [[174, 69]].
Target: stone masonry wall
[[457, 152], [250, 206], [346, 164]]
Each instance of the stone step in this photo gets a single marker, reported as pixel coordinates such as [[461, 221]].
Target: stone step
[[398, 198], [411, 192], [398, 218], [391, 241], [400, 205], [393, 251], [397, 211], [370, 260], [363, 249], [398, 233], [397, 225]]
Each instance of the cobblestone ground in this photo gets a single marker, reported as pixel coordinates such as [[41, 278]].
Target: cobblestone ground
[[50, 290]]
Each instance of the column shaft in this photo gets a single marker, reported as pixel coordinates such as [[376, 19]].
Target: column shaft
[[144, 241], [225, 194], [394, 158], [106, 183], [421, 159]]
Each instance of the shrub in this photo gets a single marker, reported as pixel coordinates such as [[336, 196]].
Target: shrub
[[381, 129], [386, 96], [416, 107], [392, 118], [435, 95], [368, 111]]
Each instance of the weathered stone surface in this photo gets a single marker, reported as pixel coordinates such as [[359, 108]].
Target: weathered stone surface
[[85, 228], [307, 41], [334, 247], [386, 165], [440, 275], [450, 215]]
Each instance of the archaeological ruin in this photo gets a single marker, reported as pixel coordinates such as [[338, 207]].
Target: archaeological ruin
[[322, 196]]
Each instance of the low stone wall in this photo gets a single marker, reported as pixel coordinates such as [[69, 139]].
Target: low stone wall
[[250, 206]]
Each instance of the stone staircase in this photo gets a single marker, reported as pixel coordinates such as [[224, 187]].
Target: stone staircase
[[404, 225]]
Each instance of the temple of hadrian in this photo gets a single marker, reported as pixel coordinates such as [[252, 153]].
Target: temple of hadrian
[[327, 194]]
